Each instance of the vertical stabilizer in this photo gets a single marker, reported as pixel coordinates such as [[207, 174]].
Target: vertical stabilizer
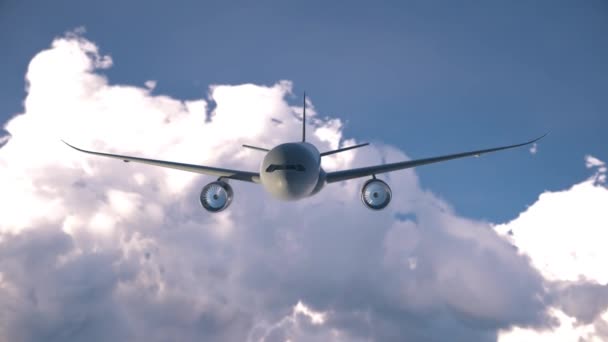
[[304, 120]]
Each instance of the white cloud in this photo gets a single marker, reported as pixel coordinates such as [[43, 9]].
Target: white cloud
[[565, 235], [570, 226], [592, 162], [534, 148], [299, 325], [150, 84], [95, 249]]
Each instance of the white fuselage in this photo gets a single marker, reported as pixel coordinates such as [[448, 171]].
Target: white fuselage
[[292, 171]]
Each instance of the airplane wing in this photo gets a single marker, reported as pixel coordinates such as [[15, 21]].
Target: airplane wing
[[372, 170], [253, 177]]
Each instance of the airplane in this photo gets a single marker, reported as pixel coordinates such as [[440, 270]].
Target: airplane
[[292, 171]]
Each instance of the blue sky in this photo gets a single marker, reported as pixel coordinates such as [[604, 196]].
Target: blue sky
[[429, 77], [95, 249]]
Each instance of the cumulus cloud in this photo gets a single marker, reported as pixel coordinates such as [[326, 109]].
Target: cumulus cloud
[[95, 249], [564, 233]]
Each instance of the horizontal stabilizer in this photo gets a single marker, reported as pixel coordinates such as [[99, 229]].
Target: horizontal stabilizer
[[256, 148], [343, 149]]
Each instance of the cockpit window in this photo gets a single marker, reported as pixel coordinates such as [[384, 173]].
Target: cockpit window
[[289, 167]]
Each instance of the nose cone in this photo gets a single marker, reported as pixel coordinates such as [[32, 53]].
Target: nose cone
[[290, 171]]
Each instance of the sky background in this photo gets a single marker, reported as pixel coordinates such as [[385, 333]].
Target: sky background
[[507, 247], [430, 77]]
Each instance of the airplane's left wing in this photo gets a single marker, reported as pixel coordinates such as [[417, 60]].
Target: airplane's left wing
[[377, 169], [253, 177]]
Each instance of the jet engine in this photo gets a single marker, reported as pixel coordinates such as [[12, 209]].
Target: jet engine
[[216, 196], [376, 194]]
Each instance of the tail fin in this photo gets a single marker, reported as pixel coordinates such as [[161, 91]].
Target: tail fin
[[304, 120]]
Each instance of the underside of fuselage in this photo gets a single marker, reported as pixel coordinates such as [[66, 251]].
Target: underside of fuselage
[[292, 171]]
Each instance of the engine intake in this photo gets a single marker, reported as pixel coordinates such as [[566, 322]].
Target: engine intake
[[376, 194], [216, 196]]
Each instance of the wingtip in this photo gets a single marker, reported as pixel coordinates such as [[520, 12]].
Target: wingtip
[[65, 142], [542, 136], [72, 146]]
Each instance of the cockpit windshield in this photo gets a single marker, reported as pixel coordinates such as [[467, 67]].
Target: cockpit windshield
[[286, 167]]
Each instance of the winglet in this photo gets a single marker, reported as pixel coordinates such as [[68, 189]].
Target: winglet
[[74, 147], [537, 139]]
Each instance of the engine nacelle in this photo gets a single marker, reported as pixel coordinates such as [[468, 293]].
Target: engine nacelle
[[376, 194], [216, 196]]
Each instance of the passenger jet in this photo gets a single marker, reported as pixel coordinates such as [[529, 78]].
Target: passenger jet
[[292, 171]]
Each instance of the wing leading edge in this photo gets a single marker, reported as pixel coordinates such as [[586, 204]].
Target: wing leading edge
[[253, 177], [376, 169]]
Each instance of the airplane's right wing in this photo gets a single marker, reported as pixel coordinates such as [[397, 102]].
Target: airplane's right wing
[[246, 176], [373, 170]]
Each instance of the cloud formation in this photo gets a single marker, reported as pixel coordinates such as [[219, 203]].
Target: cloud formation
[[94, 249], [534, 148], [564, 234]]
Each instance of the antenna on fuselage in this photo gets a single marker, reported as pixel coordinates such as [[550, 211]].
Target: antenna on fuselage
[[304, 120]]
